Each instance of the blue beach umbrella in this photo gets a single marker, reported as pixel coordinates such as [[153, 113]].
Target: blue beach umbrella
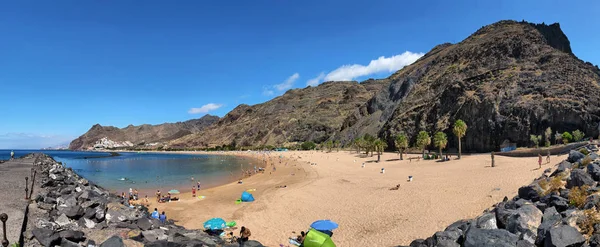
[[215, 224], [324, 225]]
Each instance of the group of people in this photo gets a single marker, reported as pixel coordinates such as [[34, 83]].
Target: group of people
[[133, 195], [162, 217]]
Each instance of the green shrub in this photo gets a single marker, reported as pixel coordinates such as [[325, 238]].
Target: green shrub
[[566, 137], [578, 135], [586, 161], [308, 145]]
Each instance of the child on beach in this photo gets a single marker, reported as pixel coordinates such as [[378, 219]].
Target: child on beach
[[193, 192], [158, 195], [540, 160], [155, 213], [198, 185], [163, 217]]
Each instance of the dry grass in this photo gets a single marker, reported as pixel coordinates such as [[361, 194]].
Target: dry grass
[[578, 195], [586, 161], [552, 185], [590, 218]]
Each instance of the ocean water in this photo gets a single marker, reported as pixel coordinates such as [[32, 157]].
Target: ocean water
[[148, 172]]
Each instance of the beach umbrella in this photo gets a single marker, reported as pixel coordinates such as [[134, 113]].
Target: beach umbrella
[[173, 192], [215, 224], [316, 238], [324, 225]]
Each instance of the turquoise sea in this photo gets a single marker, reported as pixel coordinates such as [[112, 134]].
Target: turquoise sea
[[147, 172]]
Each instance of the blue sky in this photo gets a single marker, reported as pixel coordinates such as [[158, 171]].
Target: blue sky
[[66, 65]]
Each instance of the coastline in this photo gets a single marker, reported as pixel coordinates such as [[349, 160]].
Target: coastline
[[337, 188]]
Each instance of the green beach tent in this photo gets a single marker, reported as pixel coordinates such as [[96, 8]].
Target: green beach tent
[[316, 238]]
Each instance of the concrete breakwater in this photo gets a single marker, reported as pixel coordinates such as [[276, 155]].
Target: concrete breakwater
[[69, 210], [558, 209]]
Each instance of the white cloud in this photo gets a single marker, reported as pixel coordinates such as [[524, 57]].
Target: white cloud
[[288, 83], [315, 81], [382, 64], [205, 108]]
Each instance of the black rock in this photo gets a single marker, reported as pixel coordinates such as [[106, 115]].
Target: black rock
[[530, 192], [75, 236], [562, 166], [46, 237], [487, 221], [591, 201], [595, 240], [418, 243], [68, 243], [561, 204], [594, 170], [565, 193], [541, 206], [579, 178], [563, 235], [447, 238], [526, 218], [144, 224], [90, 213], [502, 215], [524, 243], [114, 241], [74, 212], [476, 237], [252, 243], [575, 156], [178, 238], [550, 219]]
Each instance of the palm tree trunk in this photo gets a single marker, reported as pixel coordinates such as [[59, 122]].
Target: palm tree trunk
[[459, 148], [378, 156], [441, 153]]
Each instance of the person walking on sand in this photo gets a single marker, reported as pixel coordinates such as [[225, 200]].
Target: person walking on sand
[[158, 195], [198, 185], [540, 160], [12, 155], [193, 192], [548, 157]]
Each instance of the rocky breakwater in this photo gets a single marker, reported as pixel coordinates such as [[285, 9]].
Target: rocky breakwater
[[558, 209], [71, 211]]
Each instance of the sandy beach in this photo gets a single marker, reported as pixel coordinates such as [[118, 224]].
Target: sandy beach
[[359, 199]]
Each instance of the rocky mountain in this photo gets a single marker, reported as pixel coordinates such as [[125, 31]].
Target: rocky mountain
[[141, 136], [506, 81], [311, 113]]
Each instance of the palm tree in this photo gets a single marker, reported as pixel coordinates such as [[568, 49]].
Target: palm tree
[[460, 129], [379, 146], [329, 145], [440, 140], [336, 144], [423, 140], [401, 143], [356, 144], [369, 141]]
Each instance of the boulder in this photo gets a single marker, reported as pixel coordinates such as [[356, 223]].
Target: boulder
[[594, 171], [154, 235], [560, 203], [561, 236], [46, 237], [114, 241], [593, 156], [541, 206], [100, 214], [595, 240], [90, 213], [74, 212], [476, 237], [525, 222], [524, 243], [87, 223], [591, 201], [487, 221], [502, 215], [45, 206], [579, 178], [519, 203], [550, 219], [530, 192], [62, 220], [447, 238], [575, 156], [68, 243], [562, 166], [75, 236], [144, 224]]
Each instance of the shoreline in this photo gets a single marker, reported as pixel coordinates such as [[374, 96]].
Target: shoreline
[[337, 188]]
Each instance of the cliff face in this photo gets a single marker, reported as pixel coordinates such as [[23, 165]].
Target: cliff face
[[143, 134], [312, 113], [506, 81]]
